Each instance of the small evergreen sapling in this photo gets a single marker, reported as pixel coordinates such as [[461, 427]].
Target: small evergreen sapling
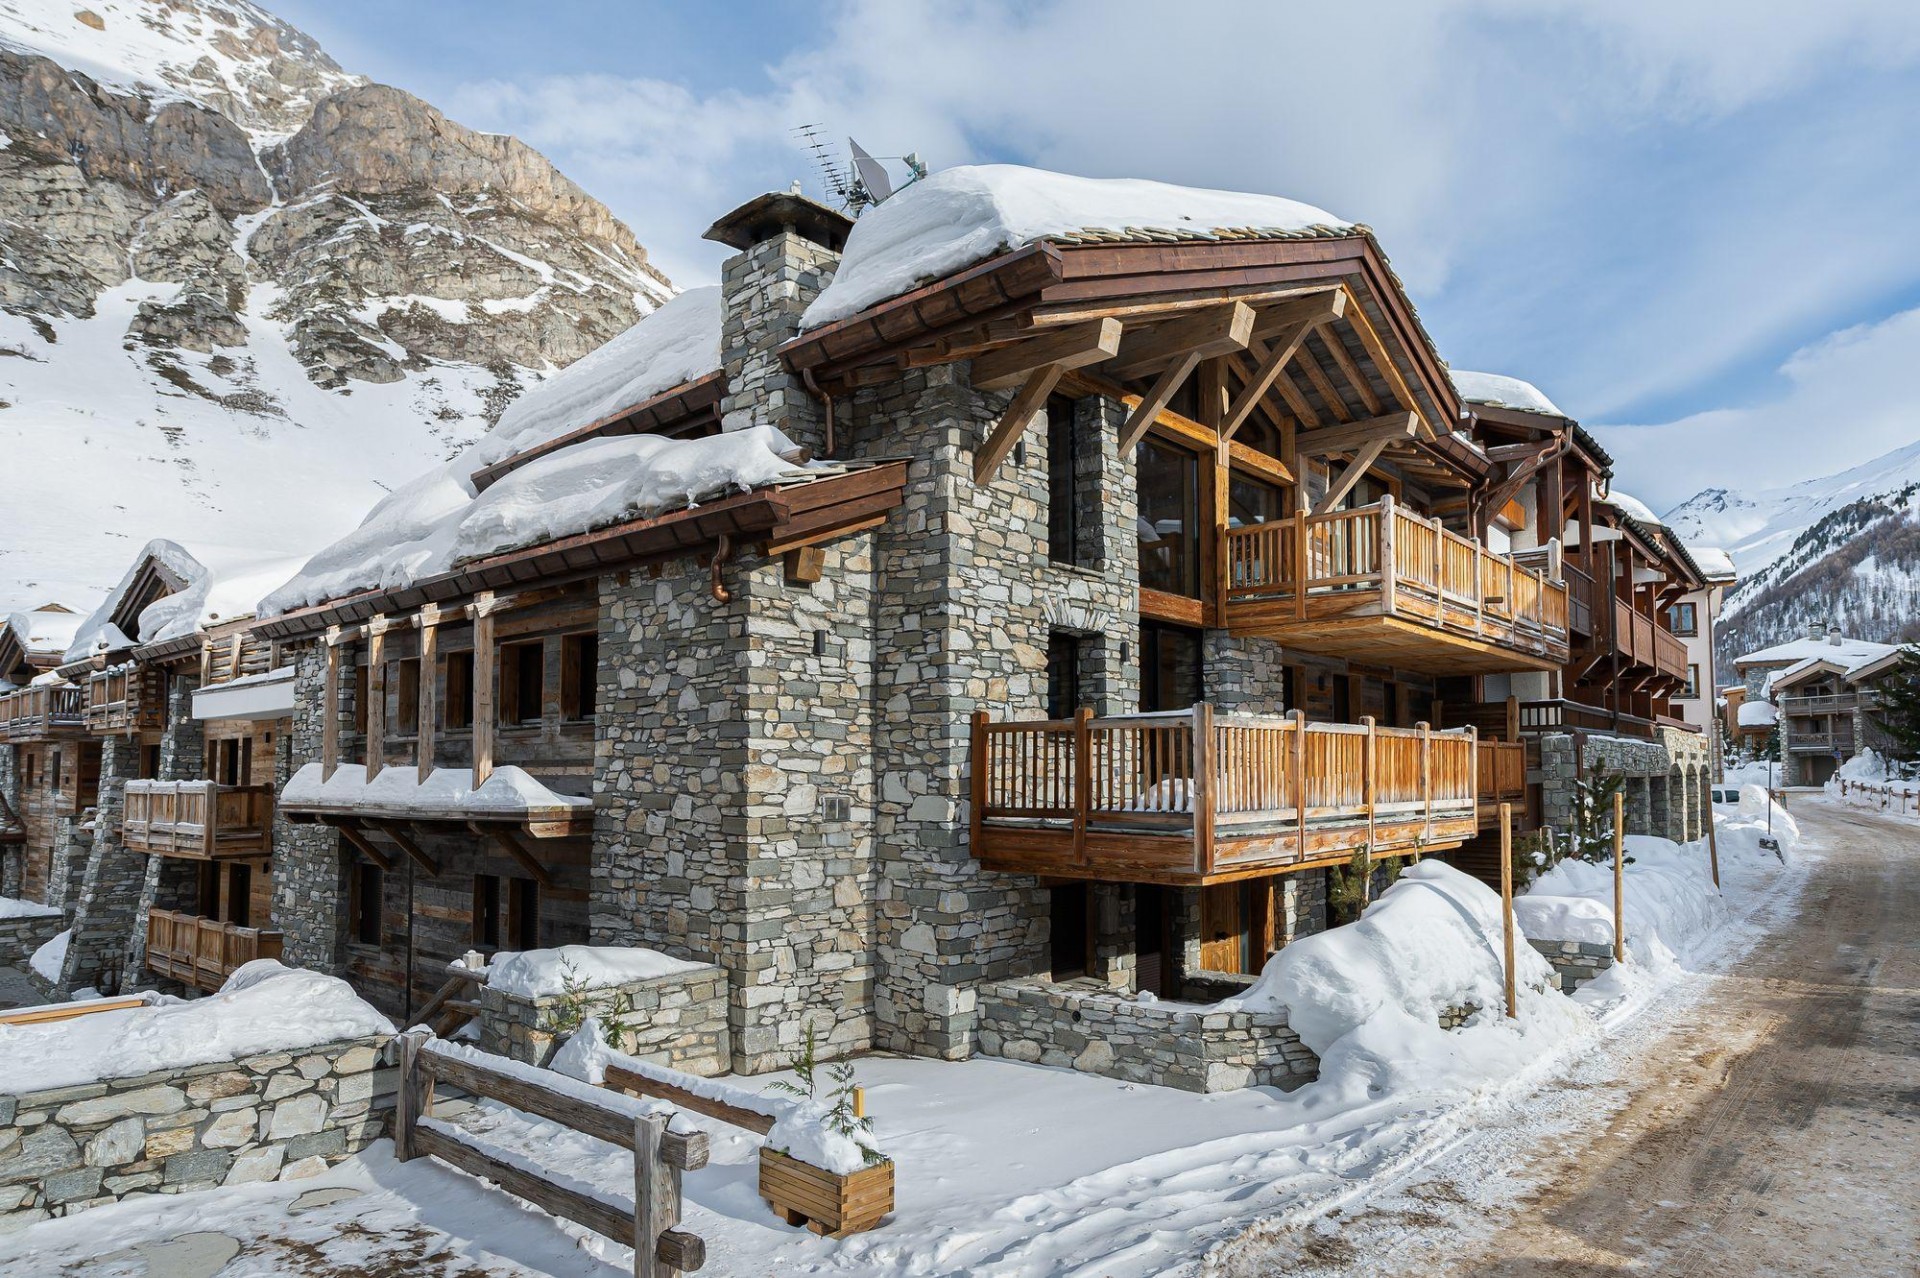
[[841, 1086], [577, 1002], [1593, 815]]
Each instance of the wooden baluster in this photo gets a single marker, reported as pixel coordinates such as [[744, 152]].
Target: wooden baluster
[[485, 659], [1202, 791], [426, 711]]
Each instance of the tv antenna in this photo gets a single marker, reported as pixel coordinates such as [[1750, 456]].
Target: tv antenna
[[863, 181]]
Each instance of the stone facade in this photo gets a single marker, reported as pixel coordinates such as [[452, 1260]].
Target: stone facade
[[678, 1020], [22, 934], [1667, 780], [170, 882], [274, 1116], [309, 871], [1189, 1047], [103, 911], [1574, 963]]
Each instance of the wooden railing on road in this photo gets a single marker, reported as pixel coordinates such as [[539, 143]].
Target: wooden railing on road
[[1316, 565], [204, 952], [649, 1224], [197, 819], [1196, 794], [28, 714]]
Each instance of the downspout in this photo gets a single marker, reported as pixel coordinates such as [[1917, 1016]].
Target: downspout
[[806, 377], [722, 552]]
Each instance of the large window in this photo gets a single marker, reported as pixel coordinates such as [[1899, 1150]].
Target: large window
[[1063, 482], [579, 675], [1169, 521], [366, 901], [1063, 675], [1693, 683], [1252, 501], [523, 669], [457, 708], [406, 693], [1171, 667], [1684, 619]]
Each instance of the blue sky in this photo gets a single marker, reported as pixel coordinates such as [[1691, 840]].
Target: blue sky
[[1692, 224]]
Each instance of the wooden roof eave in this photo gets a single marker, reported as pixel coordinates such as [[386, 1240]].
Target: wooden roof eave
[[796, 514]]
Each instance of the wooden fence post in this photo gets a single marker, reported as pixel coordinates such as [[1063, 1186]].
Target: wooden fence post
[[1713, 843], [414, 1100], [656, 1198], [1619, 877], [1506, 896]]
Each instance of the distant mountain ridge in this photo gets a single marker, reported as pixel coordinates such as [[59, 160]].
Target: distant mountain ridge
[[243, 292], [1843, 550]]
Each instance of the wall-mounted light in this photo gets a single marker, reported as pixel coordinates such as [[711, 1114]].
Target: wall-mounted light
[[819, 643], [1020, 453], [1126, 652]]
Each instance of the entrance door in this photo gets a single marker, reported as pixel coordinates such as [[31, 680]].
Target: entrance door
[[1150, 939], [1071, 937]]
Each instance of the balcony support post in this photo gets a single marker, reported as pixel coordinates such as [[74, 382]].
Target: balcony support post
[[1387, 571], [376, 695], [1300, 556], [1300, 775], [1082, 779], [330, 708], [485, 657], [1369, 769], [977, 782], [1203, 786], [1426, 773], [429, 683]]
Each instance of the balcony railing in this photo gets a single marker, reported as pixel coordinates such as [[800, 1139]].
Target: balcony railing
[[197, 819], [1669, 653], [1321, 581], [1522, 718], [1830, 703], [32, 714], [1198, 796], [1819, 742], [124, 700], [1500, 776], [203, 952]]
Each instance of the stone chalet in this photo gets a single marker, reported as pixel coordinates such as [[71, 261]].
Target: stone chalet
[[1120, 588]]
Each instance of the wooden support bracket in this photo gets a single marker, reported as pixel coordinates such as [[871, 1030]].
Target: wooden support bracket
[[1392, 428], [353, 835], [404, 841], [1073, 347], [1339, 488], [510, 843], [1031, 399], [1219, 330]]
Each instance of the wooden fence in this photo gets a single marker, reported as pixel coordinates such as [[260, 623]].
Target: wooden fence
[[1882, 796], [660, 1249]]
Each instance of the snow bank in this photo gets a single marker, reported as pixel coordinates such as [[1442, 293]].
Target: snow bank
[[1868, 765], [545, 973], [1671, 901], [799, 1128], [1503, 392], [52, 956], [1367, 997], [507, 789], [14, 908], [964, 215], [263, 1007], [438, 520]]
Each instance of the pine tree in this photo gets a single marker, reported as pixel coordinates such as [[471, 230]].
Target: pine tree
[[1899, 704]]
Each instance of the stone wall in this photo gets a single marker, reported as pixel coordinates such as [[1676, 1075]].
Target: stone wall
[[274, 1116], [21, 935], [12, 855], [1640, 762], [110, 887], [170, 883], [1192, 1048], [1574, 963], [309, 872], [678, 1020]]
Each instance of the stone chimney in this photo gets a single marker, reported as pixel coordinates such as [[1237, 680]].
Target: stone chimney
[[1816, 630], [789, 246], [1833, 638]]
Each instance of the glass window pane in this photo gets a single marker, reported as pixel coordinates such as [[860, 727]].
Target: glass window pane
[[1252, 501], [1169, 519]]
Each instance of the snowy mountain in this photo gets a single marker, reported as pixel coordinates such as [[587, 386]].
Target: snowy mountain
[[243, 292], [1844, 550]]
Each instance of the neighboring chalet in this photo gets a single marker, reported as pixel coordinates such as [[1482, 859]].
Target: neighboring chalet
[[1627, 672], [1694, 617], [37, 777], [1028, 595], [1822, 690]]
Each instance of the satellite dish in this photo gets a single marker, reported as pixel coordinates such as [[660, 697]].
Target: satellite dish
[[872, 173]]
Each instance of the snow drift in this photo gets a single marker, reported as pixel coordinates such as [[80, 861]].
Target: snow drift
[[1368, 996], [1671, 902], [263, 1007]]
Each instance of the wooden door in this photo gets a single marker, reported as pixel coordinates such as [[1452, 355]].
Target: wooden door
[[1223, 928]]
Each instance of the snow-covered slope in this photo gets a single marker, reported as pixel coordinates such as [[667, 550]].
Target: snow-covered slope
[[243, 293], [1843, 550]]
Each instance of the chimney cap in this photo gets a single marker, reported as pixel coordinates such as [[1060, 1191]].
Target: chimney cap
[[765, 216]]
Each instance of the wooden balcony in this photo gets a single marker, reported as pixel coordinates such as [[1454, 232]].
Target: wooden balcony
[[202, 952], [44, 713], [1824, 742], [1830, 703], [1511, 721], [1640, 642], [1385, 585], [1198, 797], [129, 699], [197, 819]]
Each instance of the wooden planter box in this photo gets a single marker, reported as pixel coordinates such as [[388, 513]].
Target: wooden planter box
[[824, 1201]]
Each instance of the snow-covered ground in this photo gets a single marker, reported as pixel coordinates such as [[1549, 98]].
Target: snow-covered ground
[[1009, 1168]]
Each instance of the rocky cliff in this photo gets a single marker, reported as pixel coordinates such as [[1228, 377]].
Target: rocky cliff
[[243, 291]]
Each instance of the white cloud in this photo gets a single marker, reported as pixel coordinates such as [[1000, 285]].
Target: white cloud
[[1843, 400]]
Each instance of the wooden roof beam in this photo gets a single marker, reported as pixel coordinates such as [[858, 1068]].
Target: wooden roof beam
[[1361, 383], [1072, 347], [510, 843], [1391, 428], [1219, 330], [1019, 415], [1377, 350], [1339, 488], [398, 833], [1157, 398], [1301, 318], [1318, 376]]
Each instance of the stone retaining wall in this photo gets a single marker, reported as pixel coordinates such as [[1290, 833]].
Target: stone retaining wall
[[1574, 963], [273, 1116], [1169, 1045], [20, 936], [678, 1020]]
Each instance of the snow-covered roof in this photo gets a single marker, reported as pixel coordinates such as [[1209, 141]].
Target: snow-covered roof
[[1500, 391], [222, 583], [1839, 649], [1716, 563], [675, 344], [1633, 508], [440, 519], [399, 792], [44, 631], [1758, 714], [964, 215]]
